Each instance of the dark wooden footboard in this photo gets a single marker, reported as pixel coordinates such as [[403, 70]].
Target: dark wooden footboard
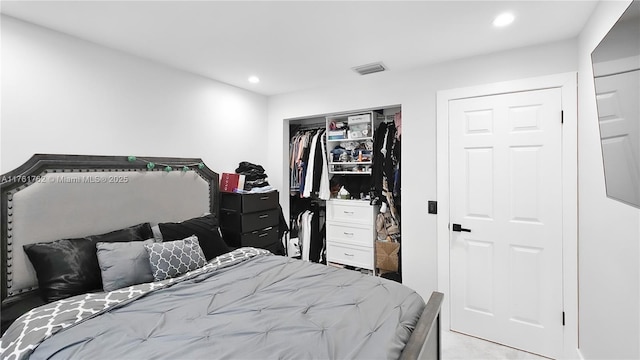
[[424, 342]]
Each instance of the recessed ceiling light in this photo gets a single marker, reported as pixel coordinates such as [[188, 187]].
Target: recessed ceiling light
[[503, 19], [254, 79]]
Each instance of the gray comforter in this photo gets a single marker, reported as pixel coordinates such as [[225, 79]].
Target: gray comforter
[[255, 307]]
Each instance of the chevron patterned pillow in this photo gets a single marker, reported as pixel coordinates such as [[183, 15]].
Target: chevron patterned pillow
[[172, 258]]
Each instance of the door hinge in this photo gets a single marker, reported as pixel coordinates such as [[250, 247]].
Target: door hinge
[[563, 318], [562, 117]]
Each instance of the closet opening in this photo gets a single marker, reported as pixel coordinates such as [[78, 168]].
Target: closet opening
[[344, 190]]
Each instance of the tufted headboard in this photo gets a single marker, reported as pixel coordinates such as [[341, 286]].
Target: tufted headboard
[[53, 197]]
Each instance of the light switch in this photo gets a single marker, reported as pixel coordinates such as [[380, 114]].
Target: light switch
[[433, 207]]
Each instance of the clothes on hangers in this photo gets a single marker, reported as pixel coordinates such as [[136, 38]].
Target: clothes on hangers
[[296, 150], [386, 158], [311, 166], [386, 176], [304, 233], [397, 121], [310, 235], [308, 166]]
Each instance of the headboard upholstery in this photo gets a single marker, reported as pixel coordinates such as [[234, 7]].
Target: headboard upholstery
[[53, 197]]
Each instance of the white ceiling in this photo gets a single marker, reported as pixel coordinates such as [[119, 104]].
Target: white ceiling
[[294, 45]]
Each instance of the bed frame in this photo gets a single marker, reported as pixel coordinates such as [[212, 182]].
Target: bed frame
[[112, 192]]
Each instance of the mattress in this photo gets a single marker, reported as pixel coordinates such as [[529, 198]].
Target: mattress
[[247, 304]]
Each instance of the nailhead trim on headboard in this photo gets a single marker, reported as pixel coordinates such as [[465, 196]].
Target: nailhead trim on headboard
[[10, 240]]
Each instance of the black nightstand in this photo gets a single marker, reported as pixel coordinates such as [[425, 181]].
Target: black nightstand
[[251, 220]]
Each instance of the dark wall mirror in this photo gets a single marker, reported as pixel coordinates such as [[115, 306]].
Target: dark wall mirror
[[616, 70]]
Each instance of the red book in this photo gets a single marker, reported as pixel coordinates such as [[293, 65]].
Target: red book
[[229, 182]]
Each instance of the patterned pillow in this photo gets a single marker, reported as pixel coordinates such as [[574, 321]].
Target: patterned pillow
[[172, 258]]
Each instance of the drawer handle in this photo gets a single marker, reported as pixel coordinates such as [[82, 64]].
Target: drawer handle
[[263, 234], [347, 233], [349, 254], [264, 198], [263, 216]]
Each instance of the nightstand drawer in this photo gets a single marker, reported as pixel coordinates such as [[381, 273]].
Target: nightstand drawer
[[350, 234], [350, 255], [352, 211], [246, 203], [248, 222]]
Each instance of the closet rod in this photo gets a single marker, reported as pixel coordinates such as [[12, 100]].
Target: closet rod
[[309, 127]]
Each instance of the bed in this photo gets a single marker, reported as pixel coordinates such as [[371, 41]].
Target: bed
[[159, 282]]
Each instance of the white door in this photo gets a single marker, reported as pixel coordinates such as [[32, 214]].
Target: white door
[[618, 112], [506, 188]]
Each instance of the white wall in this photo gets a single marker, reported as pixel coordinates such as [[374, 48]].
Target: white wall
[[416, 92], [609, 231], [64, 95]]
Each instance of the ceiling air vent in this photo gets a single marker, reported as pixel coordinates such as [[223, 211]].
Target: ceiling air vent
[[369, 68]]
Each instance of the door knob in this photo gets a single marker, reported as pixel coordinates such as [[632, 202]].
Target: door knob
[[459, 228]]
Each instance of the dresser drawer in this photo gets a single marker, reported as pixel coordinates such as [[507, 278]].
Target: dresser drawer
[[248, 222], [350, 255], [260, 238], [246, 203], [263, 238], [352, 211], [350, 234]]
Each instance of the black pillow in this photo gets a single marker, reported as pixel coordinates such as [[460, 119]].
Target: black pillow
[[70, 267], [204, 227]]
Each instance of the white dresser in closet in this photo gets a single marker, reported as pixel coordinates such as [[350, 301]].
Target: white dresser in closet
[[351, 232]]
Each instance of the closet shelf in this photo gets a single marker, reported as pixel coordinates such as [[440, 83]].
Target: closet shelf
[[352, 172], [350, 163], [354, 131], [347, 140]]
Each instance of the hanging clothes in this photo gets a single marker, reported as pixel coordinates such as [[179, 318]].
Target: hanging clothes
[[311, 167], [324, 190], [304, 233], [385, 158], [314, 169], [311, 235], [316, 243], [397, 121], [386, 177], [298, 143]]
